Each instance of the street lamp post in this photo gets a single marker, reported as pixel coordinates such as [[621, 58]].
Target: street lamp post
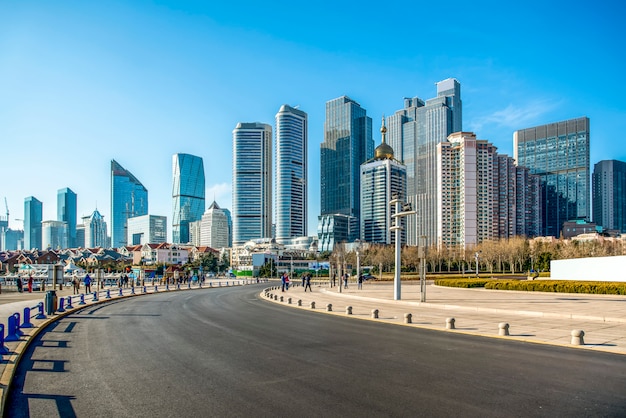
[[397, 227], [476, 256]]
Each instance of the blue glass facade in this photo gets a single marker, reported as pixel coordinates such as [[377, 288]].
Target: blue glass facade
[[187, 194], [67, 212], [33, 216], [129, 198], [609, 194], [291, 173], [347, 144], [559, 154], [252, 182]]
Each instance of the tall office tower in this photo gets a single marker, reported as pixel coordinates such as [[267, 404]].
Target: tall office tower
[[414, 133], [528, 203], [347, 144], [214, 228], [54, 235], [33, 215], [187, 194], [230, 227], [67, 212], [147, 229], [252, 182], [128, 199], [80, 235], [291, 173], [559, 154], [381, 178], [609, 194], [95, 230]]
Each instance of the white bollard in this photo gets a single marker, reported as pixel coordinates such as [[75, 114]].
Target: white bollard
[[450, 323], [577, 337]]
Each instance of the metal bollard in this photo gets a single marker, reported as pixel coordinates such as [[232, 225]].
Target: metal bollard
[[289, 301], [121, 292], [82, 299], [145, 289], [210, 284], [156, 288], [108, 296], [40, 314], [61, 305], [26, 323], [348, 310], [188, 285], [375, 313], [13, 331], [578, 337], [95, 297], [503, 328], [132, 290], [450, 323], [329, 307], [3, 349], [178, 286], [299, 302], [312, 305], [408, 318], [281, 298]]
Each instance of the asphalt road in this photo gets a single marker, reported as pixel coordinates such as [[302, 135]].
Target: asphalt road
[[224, 352]]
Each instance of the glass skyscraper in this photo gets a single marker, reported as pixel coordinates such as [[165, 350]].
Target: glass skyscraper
[[414, 133], [33, 216], [609, 194], [147, 229], [291, 173], [67, 212], [95, 231], [187, 194], [559, 154], [347, 144], [252, 182], [129, 198]]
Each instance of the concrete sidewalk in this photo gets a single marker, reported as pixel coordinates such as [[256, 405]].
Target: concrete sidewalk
[[536, 317]]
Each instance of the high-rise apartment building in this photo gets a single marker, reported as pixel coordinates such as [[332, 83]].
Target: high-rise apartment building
[[347, 144], [147, 229], [609, 194], [291, 183], [187, 194], [95, 231], [129, 198], [33, 216], [382, 178], [252, 182], [481, 194], [67, 212], [414, 133], [214, 227], [559, 154]]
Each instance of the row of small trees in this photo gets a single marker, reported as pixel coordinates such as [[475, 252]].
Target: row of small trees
[[513, 255]]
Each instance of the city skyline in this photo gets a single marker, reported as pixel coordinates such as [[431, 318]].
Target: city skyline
[[169, 80]]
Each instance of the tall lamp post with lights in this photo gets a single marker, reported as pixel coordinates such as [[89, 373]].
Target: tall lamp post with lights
[[402, 209]]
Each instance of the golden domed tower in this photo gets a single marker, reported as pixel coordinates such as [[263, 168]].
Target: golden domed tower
[[383, 151]]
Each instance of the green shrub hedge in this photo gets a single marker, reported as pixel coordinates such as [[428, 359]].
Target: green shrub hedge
[[558, 286]]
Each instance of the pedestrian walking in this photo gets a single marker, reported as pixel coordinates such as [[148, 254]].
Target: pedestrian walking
[[283, 281], [76, 284], [30, 284], [87, 281], [345, 281], [307, 280], [18, 282]]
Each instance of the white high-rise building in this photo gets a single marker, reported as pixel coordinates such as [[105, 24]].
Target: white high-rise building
[[291, 173], [252, 182], [214, 230]]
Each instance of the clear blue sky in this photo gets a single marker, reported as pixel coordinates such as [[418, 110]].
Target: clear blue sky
[[83, 82]]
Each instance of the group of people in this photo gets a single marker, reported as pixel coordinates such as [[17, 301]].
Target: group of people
[[20, 284], [306, 281]]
